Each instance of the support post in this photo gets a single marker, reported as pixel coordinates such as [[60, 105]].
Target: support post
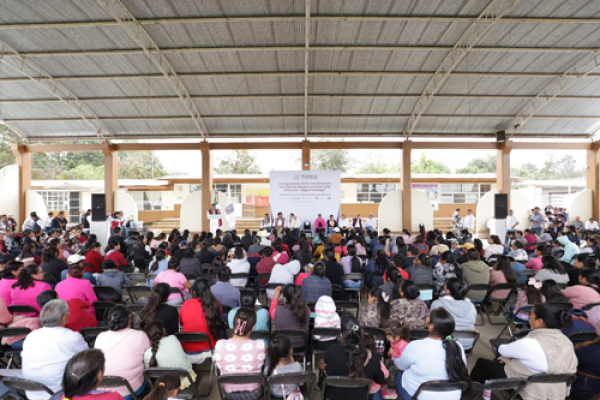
[[503, 168], [23, 160], [111, 175], [305, 155], [593, 178], [406, 182], [207, 183]]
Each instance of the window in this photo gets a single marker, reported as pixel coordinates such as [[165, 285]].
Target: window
[[373, 192], [461, 193], [233, 190], [147, 201], [56, 200], [74, 207]]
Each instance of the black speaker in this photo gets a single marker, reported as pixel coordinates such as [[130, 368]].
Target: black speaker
[[500, 205], [98, 207], [500, 136]]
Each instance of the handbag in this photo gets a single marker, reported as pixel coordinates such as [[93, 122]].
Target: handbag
[[295, 395]]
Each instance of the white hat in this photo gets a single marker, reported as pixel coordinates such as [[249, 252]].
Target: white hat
[[75, 259], [263, 233], [336, 229]]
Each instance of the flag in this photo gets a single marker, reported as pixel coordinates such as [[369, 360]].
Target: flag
[[230, 212], [216, 200]]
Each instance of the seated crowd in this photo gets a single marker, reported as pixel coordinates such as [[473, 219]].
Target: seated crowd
[[240, 291]]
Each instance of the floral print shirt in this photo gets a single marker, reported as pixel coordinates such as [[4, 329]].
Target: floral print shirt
[[240, 357]]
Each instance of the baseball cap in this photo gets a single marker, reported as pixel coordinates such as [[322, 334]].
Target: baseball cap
[[33, 214], [182, 243], [591, 218], [75, 259]]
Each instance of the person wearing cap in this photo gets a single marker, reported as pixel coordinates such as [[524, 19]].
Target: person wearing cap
[[30, 222], [337, 237], [536, 220], [263, 234], [180, 254], [79, 260]]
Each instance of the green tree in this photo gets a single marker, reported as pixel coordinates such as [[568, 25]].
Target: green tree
[[139, 165], [7, 137], [378, 167], [560, 168], [238, 162], [527, 170], [427, 166], [479, 166]]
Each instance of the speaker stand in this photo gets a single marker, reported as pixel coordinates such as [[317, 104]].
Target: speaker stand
[[102, 231], [499, 228]]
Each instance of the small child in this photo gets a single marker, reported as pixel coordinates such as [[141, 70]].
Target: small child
[[397, 333], [454, 247], [281, 361], [368, 343], [165, 388], [530, 295]]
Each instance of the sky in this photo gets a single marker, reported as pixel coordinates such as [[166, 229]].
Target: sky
[[187, 162]]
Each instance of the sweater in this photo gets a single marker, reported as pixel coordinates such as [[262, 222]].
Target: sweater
[[170, 354], [580, 295]]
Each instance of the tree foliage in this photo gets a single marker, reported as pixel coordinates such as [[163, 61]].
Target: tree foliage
[[378, 167], [7, 137], [238, 162], [139, 165], [330, 160], [427, 166], [479, 166]]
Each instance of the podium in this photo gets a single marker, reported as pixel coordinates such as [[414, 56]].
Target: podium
[[214, 221]]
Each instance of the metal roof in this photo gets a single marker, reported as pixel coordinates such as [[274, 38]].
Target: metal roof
[[86, 69]]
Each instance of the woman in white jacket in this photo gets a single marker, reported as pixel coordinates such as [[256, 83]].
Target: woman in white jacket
[[494, 247]]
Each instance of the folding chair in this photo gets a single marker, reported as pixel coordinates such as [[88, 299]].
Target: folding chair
[[440, 387], [353, 277], [240, 379], [6, 349], [296, 334], [90, 334], [135, 308], [567, 379], [137, 292], [191, 392], [176, 290], [346, 382], [489, 298], [417, 334], [589, 306], [321, 332], [107, 293], [496, 343], [241, 275], [526, 272], [478, 301], [224, 316], [493, 259], [512, 386], [510, 318], [346, 305], [306, 380], [22, 309], [585, 336], [137, 279], [111, 382], [25, 384], [260, 335], [467, 335], [261, 288], [207, 267], [102, 309], [198, 337], [378, 335]]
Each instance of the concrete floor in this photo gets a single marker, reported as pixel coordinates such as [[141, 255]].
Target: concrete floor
[[482, 349]]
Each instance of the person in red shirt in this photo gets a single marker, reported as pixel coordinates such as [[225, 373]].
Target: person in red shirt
[[94, 258], [266, 264], [398, 262], [113, 252], [202, 313], [79, 315]]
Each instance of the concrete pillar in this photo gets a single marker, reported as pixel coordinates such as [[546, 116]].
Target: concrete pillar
[[305, 155], [406, 181], [503, 168], [207, 183], [111, 175], [593, 179], [23, 160]]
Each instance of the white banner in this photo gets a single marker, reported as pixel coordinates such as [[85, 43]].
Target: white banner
[[306, 194]]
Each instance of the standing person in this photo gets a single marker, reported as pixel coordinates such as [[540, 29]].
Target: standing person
[[537, 220], [511, 223], [294, 225], [469, 221], [214, 223], [85, 221], [437, 357], [47, 351]]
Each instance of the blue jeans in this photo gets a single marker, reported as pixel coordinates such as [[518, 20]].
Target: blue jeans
[[330, 230], [400, 390], [370, 229], [538, 230], [138, 392], [376, 396]]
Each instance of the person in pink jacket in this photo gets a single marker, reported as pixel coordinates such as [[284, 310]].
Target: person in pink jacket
[[74, 287], [320, 224], [29, 284], [9, 278]]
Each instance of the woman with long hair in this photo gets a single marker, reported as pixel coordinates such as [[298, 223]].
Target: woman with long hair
[[281, 361], [552, 269], [408, 308], [494, 247], [438, 357], [93, 256], [9, 278], [30, 283], [377, 265], [446, 268], [351, 359], [352, 264], [552, 292], [248, 300], [202, 313], [157, 309], [52, 265], [545, 350], [361, 246], [160, 262], [166, 352], [587, 290], [377, 311], [503, 272], [124, 350], [75, 287], [83, 375], [292, 314], [304, 252]]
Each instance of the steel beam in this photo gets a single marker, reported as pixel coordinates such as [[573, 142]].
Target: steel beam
[[273, 18], [306, 65], [490, 16], [137, 32], [301, 74], [20, 63], [485, 49]]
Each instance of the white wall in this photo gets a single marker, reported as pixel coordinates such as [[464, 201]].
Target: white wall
[[390, 212], [124, 202], [521, 205], [580, 205], [192, 212], [422, 211], [9, 187], [35, 202]]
